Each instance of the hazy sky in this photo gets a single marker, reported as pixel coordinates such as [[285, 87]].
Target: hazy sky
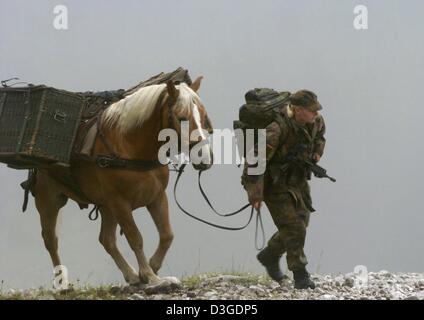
[[368, 81]]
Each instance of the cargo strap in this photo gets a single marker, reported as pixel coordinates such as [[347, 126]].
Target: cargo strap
[[114, 162], [28, 187]]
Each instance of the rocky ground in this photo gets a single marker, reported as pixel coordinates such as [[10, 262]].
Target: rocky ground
[[381, 285]]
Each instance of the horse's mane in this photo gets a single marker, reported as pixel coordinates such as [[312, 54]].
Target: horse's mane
[[132, 111]]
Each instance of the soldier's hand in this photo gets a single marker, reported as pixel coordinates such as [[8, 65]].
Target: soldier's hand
[[316, 157], [257, 205]]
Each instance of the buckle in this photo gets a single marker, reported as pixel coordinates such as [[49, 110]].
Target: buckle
[[103, 162]]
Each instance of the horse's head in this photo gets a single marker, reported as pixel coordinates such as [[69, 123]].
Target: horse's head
[[188, 116]]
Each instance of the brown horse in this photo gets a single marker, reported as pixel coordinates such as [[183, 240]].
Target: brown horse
[[131, 127]]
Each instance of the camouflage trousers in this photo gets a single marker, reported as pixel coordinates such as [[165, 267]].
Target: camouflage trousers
[[291, 222]]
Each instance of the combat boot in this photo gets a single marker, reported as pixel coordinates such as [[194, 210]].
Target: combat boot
[[302, 279], [271, 262]]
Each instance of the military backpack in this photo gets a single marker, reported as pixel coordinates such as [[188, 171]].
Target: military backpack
[[263, 106]]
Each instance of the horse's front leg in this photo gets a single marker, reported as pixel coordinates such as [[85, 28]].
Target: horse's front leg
[[123, 214], [160, 215]]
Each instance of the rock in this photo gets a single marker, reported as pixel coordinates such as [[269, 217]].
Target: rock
[[136, 296], [319, 291], [412, 298], [116, 290], [396, 295], [257, 289], [172, 280], [418, 295], [274, 285], [167, 285], [284, 288], [210, 294], [385, 274], [11, 292], [349, 282], [240, 288], [130, 289]]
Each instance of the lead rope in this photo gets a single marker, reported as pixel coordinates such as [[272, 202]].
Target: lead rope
[[94, 213], [210, 204], [259, 222], [180, 171]]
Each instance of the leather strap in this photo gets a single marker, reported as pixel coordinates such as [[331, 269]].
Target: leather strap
[[112, 162]]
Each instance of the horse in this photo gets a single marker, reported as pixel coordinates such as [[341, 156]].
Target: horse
[[130, 127]]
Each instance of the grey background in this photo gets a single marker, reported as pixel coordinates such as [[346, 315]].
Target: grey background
[[368, 82]]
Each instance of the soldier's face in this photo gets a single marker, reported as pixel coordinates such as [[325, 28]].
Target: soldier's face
[[304, 115]]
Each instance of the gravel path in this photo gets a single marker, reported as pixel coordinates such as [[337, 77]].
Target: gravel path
[[381, 285]]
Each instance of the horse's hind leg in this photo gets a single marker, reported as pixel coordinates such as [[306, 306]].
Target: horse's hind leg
[[48, 202], [108, 239], [160, 215], [124, 216]]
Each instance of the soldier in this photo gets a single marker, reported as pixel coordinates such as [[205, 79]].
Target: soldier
[[295, 135]]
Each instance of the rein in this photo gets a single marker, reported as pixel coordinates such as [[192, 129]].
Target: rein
[[180, 171], [210, 204], [259, 223]]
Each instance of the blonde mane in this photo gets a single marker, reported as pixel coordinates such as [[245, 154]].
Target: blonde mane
[[132, 111]]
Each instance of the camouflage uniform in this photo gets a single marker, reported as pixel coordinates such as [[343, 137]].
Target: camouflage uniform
[[284, 188]]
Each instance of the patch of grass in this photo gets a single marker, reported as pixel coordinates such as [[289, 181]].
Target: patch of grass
[[196, 280], [15, 296]]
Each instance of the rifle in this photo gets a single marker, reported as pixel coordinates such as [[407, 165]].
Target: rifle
[[317, 170], [294, 156]]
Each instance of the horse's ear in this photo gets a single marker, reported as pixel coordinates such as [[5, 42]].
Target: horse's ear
[[196, 84], [172, 91]]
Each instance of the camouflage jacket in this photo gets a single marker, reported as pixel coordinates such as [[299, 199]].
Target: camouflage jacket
[[283, 137]]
